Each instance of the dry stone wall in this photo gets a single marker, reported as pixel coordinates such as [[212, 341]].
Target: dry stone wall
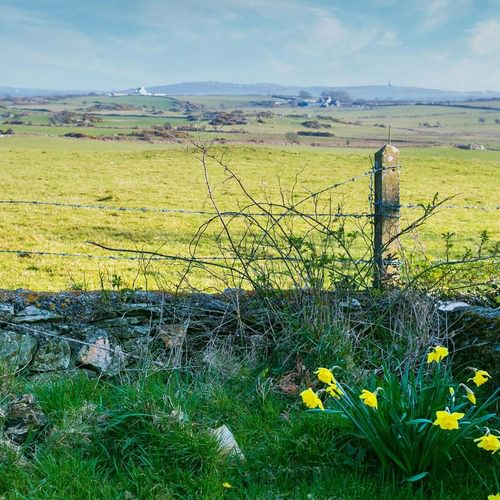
[[104, 333], [107, 333]]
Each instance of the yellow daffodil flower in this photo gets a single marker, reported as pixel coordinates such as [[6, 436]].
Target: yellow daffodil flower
[[311, 400], [437, 354], [488, 442], [369, 398], [471, 397], [448, 421], [494, 497], [470, 394], [334, 390], [452, 391], [480, 377], [227, 485], [325, 376]]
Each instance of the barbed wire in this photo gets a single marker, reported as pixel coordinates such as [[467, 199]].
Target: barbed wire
[[146, 257], [180, 210], [25, 253], [493, 258], [292, 212], [231, 213], [423, 206], [458, 207]]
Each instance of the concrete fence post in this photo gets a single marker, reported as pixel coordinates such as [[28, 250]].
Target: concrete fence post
[[386, 212]]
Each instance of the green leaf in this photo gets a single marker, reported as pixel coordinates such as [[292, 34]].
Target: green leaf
[[419, 421], [318, 410], [416, 477]]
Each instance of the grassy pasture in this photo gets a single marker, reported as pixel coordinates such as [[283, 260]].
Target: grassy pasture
[[168, 176], [422, 125]]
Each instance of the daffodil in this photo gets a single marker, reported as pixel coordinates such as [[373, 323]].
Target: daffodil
[[448, 421], [437, 354], [325, 376], [470, 394], [369, 398], [488, 442], [494, 497], [480, 377], [227, 485], [452, 391], [471, 397], [334, 390], [311, 400]]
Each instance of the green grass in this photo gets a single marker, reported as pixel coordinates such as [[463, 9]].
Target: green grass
[[410, 124], [137, 175], [110, 441], [134, 173]]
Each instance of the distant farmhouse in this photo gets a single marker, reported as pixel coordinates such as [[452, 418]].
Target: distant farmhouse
[[324, 101], [141, 91]]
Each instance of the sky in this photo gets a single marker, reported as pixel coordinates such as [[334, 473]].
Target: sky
[[117, 44]]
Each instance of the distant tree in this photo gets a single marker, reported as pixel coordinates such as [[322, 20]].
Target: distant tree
[[497, 121], [304, 94], [337, 95], [360, 102], [481, 119]]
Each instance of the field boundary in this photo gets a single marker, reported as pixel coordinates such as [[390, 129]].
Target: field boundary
[[383, 213]]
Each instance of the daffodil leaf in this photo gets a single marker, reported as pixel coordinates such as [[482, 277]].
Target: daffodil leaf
[[326, 410], [419, 421], [416, 477]]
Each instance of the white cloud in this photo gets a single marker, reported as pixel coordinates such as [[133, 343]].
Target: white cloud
[[388, 39], [484, 38], [438, 12], [288, 41], [322, 35]]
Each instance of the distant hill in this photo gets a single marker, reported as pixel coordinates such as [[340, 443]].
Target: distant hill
[[23, 92], [371, 92]]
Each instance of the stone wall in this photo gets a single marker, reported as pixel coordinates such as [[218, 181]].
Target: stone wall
[[107, 333]]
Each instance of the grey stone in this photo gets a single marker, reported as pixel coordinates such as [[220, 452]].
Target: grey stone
[[24, 416], [227, 443], [451, 306], [53, 355], [101, 355], [233, 292], [16, 349], [6, 311], [141, 330], [32, 314], [125, 328], [173, 336], [141, 309], [119, 322], [476, 338], [139, 346], [350, 304]]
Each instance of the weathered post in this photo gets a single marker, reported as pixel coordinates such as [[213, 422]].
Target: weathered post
[[386, 212]]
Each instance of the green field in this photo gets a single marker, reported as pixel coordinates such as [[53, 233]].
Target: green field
[[39, 164], [419, 125]]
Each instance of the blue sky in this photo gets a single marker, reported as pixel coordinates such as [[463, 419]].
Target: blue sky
[[106, 44]]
